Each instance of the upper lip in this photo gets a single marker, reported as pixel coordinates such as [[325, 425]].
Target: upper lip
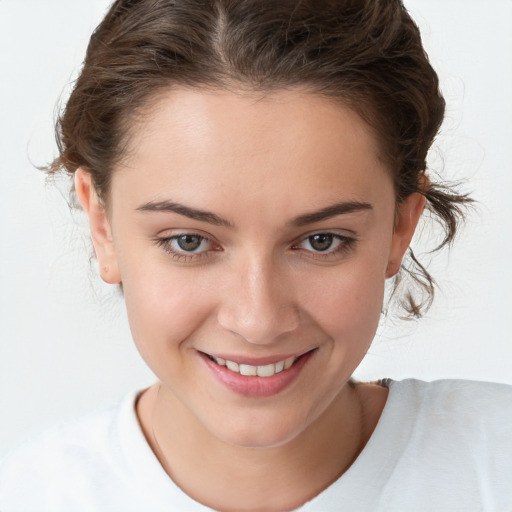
[[257, 361]]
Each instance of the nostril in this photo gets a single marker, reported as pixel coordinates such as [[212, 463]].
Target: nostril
[[259, 304], [259, 327]]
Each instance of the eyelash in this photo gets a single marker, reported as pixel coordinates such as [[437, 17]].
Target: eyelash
[[346, 244], [184, 256]]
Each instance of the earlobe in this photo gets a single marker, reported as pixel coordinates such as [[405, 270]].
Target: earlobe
[[99, 223], [409, 213]]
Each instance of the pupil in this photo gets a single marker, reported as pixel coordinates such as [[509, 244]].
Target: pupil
[[189, 242], [321, 242]]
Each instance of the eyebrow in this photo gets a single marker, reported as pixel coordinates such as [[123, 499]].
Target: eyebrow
[[186, 211], [344, 207]]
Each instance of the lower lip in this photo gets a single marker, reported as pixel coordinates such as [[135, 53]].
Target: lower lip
[[253, 386]]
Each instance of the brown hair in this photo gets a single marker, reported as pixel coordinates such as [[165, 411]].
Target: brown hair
[[365, 53]]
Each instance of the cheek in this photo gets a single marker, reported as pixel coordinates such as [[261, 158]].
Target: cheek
[[347, 303], [165, 306]]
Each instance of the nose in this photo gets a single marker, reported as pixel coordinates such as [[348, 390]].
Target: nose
[[257, 303]]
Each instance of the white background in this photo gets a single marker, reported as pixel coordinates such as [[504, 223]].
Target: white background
[[65, 347]]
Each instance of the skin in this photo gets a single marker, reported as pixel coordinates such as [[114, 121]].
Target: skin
[[256, 288]]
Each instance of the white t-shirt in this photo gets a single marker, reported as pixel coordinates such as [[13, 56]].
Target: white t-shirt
[[439, 446]]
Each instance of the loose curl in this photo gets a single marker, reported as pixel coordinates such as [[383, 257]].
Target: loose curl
[[366, 54]]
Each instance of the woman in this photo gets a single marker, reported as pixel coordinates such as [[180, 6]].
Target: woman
[[253, 174]]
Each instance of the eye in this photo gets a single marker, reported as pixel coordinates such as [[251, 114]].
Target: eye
[[325, 245], [187, 246], [320, 242], [190, 243]]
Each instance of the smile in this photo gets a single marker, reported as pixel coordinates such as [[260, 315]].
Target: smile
[[267, 370], [266, 379]]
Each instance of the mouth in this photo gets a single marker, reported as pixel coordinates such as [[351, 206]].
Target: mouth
[[271, 376], [257, 378], [249, 370]]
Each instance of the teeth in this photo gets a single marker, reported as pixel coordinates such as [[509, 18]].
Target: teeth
[[261, 371], [288, 362], [246, 369], [279, 366], [234, 367], [266, 371]]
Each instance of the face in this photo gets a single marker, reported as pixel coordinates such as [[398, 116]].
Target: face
[[252, 235]]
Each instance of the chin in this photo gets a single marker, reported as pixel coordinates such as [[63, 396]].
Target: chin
[[259, 430]]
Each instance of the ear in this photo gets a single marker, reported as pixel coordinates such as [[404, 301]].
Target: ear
[[408, 215], [100, 227]]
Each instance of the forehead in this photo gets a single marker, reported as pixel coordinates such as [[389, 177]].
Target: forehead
[[292, 143]]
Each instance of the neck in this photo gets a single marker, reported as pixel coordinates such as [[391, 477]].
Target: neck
[[272, 478]]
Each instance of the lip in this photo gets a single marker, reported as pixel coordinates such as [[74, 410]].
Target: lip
[[258, 361], [253, 386]]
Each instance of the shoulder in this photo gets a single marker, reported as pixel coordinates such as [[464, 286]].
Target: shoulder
[[86, 435], [475, 412], [457, 386], [442, 445], [456, 429], [69, 453], [485, 401]]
